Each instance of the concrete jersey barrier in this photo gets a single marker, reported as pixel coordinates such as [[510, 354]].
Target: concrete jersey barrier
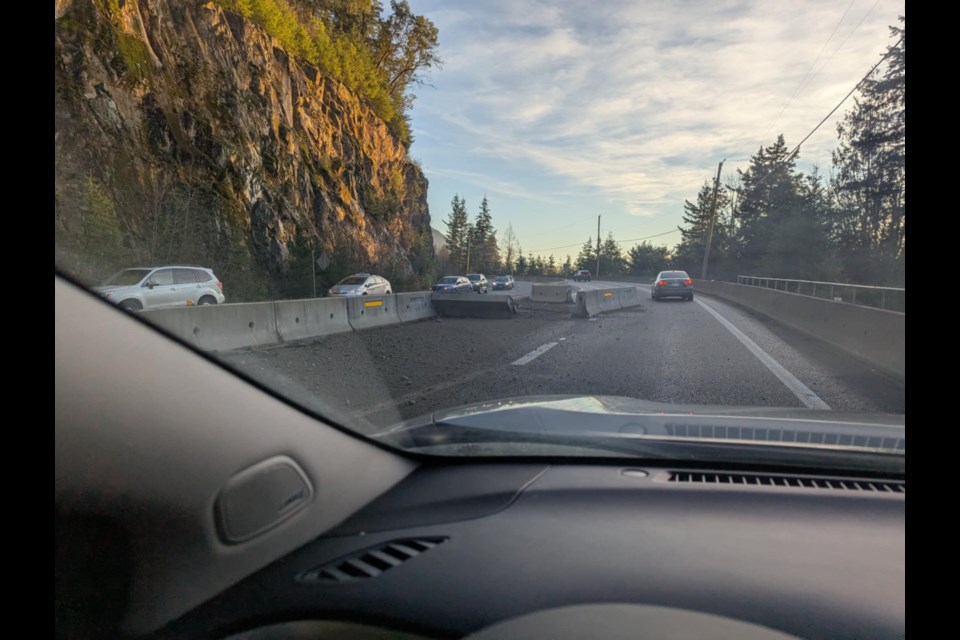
[[220, 327], [414, 306], [608, 300], [628, 297], [308, 318], [551, 293], [473, 305], [873, 335], [367, 312]]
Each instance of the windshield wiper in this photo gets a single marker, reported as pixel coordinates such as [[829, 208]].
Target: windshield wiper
[[640, 430]]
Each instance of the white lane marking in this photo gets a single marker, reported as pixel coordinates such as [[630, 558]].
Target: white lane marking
[[536, 353], [803, 393]]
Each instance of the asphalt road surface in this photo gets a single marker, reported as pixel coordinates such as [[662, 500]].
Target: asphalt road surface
[[700, 352]]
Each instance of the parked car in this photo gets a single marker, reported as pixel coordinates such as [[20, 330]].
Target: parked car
[[479, 282], [672, 284], [453, 284], [582, 276], [140, 288], [362, 284], [503, 282]]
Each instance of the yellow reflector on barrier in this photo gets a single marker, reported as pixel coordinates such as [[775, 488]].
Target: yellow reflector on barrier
[[607, 294], [373, 303]]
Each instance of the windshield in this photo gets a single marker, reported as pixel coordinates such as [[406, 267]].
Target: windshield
[[126, 278], [757, 151]]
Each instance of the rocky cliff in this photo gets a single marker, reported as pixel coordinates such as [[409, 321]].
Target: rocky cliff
[[185, 133]]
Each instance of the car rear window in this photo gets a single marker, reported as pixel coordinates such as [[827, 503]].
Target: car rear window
[[674, 274], [184, 276]]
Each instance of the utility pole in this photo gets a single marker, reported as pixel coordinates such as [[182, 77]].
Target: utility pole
[[713, 217], [598, 246]]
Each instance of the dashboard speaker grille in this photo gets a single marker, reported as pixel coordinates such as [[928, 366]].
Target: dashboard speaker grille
[[803, 482], [369, 563]]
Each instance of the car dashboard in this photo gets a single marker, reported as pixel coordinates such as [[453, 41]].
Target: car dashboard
[[455, 549]]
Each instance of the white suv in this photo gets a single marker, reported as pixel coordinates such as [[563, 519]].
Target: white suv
[[159, 287]]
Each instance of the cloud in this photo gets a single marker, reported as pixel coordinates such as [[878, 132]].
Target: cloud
[[638, 101]]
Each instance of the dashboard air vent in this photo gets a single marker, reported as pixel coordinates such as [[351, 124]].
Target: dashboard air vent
[[369, 563], [787, 436], [804, 482]]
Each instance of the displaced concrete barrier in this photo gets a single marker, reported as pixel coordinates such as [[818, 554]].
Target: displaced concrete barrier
[[592, 302], [608, 300], [299, 319], [367, 312], [473, 305], [551, 293], [220, 327], [876, 336], [414, 306], [628, 297]]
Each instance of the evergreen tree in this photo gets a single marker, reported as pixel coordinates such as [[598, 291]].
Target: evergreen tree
[[521, 264], [770, 189], [587, 259], [696, 216], [458, 229], [567, 267], [510, 249], [611, 258], [647, 260], [869, 175], [485, 253]]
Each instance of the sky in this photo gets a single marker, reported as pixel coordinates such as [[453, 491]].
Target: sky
[[560, 111]]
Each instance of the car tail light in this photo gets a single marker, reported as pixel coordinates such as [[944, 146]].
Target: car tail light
[[662, 283], [688, 282]]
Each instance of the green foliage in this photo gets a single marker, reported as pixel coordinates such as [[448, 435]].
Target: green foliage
[[645, 259], [379, 58], [458, 230], [134, 53], [587, 258], [485, 255]]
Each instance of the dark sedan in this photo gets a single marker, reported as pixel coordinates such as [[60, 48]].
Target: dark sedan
[[453, 284], [503, 282], [672, 284]]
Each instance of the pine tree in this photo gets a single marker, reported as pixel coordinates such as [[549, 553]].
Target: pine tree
[[458, 229], [587, 259], [567, 267], [869, 175], [689, 252], [645, 259], [611, 258], [485, 253]]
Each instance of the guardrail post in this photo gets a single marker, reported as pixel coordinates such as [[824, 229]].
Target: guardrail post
[[854, 295], [831, 292], [883, 298], [814, 290]]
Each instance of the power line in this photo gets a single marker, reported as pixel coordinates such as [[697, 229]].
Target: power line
[[656, 235], [807, 74], [796, 149]]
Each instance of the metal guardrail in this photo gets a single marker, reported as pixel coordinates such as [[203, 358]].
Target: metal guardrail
[[891, 298]]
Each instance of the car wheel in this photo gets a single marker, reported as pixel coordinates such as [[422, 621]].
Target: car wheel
[[690, 298], [131, 305], [207, 300]]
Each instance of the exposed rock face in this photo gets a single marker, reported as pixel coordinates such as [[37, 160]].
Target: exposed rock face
[[184, 133]]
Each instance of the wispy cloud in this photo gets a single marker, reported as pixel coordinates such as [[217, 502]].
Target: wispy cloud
[[633, 102]]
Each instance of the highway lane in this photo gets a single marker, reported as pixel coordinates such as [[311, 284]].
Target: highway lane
[[668, 351]]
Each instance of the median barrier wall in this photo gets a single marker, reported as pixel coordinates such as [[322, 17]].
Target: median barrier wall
[[473, 305], [367, 312], [876, 336], [220, 327], [550, 293], [299, 319], [414, 306]]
